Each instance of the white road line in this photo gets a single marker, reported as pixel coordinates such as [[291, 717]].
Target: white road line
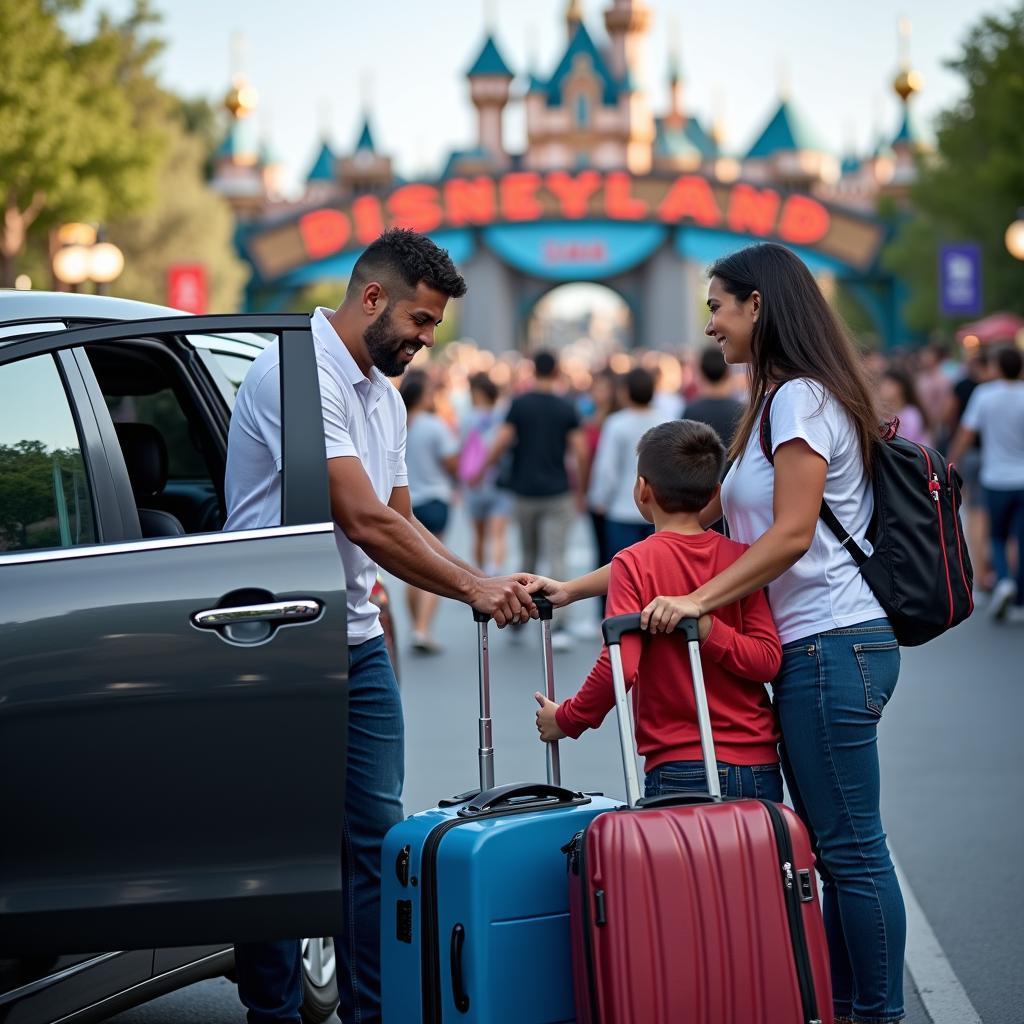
[[941, 992]]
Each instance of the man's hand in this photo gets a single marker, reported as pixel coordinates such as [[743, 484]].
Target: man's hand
[[547, 725], [663, 614], [557, 593], [504, 598]]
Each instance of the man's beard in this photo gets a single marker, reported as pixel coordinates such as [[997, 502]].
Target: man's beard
[[384, 347]]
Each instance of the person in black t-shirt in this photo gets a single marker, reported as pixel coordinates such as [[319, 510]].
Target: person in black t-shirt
[[716, 407], [541, 428]]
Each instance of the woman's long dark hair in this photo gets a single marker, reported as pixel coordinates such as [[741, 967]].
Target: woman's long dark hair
[[797, 334]]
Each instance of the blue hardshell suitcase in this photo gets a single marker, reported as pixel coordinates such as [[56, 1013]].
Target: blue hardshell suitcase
[[474, 902]]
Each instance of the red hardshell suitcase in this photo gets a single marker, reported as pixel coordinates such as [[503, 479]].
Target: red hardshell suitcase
[[693, 908]]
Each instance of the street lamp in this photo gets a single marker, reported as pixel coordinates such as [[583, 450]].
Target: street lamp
[[1015, 237], [81, 258]]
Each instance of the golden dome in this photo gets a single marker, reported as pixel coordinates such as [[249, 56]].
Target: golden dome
[[241, 98], [907, 82]]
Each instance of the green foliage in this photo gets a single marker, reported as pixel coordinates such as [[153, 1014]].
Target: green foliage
[[80, 122], [188, 224], [33, 512], [973, 187]]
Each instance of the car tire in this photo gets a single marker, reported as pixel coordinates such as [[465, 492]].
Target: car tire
[[319, 980]]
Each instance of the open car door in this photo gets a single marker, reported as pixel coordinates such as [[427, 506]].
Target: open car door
[[173, 709]]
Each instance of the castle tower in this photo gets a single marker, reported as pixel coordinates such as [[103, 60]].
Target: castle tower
[[627, 21], [907, 144], [573, 17], [365, 169], [489, 83]]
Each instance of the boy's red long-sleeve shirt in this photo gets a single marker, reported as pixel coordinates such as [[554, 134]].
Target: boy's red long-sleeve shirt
[[740, 654]]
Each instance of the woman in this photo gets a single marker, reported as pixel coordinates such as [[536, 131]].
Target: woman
[[897, 397], [431, 455], [840, 657], [489, 506]]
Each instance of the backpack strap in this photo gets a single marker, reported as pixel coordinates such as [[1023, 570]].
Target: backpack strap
[[825, 513]]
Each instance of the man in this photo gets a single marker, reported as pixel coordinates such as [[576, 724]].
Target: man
[[541, 427], [995, 411], [716, 405], [396, 297]]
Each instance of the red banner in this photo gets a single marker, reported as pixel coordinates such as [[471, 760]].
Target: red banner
[[186, 287]]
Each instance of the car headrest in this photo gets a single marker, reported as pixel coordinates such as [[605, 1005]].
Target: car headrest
[[145, 456]]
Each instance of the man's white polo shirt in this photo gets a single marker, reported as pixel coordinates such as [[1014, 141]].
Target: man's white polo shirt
[[364, 417]]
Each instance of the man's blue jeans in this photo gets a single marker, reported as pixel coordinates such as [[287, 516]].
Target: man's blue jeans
[[269, 973], [1006, 520], [830, 694], [757, 781]]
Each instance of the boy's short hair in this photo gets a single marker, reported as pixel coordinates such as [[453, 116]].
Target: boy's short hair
[[682, 462], [640, 386]]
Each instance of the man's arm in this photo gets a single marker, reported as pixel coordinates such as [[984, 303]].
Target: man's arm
[[962, 440], [503, 440], [402, 504], [395, 544], [581, 453]]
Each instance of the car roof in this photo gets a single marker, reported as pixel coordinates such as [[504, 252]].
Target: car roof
[[30, 305]]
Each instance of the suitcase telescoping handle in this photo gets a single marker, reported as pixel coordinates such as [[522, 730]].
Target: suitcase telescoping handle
[[614, 629], [485, 751]]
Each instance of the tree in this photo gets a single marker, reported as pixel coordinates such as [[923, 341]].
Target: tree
[[972, 188], [74, 144], [189, 223]]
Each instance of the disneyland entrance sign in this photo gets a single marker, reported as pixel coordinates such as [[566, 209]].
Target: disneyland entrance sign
[[689, 201]]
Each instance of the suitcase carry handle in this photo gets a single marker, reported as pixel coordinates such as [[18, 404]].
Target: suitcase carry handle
[[485, 751], [522, 795], [614, 629]]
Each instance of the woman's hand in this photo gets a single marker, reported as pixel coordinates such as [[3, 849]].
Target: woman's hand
[[547, 725], [663, 614]]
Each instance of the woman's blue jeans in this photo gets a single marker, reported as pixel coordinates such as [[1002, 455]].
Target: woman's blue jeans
[[829, 695], [269, 973]]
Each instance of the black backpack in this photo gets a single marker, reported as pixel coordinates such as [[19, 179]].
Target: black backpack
[[919, 569]]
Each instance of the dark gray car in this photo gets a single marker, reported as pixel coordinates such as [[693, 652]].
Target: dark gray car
[[161, 682]]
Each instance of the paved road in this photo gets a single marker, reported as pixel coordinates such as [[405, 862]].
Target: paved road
[[953, 775]]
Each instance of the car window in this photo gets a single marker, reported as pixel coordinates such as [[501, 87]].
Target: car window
[[44, 492], [234, 353]]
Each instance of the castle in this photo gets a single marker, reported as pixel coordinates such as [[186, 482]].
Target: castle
[[589, 112]]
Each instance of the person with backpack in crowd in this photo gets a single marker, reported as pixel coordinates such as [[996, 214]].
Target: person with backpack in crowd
[[840, 655], [673, 473], [995, 413], [488, 505], [431, 452], [611, 482]]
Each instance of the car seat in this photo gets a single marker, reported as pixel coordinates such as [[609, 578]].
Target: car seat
[[145, 457]]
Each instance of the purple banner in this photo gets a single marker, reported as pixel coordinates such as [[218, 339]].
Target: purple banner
[[960, 279]]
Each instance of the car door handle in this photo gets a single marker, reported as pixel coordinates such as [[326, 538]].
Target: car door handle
[[300, 610]]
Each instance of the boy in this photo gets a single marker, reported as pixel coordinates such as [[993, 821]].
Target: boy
[[678, 468]]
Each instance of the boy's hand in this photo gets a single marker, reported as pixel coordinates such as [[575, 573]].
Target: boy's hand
[[663, 614], [547, 726], [556, 592]]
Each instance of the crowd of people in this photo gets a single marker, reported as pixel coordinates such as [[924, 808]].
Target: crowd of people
[[531, 442]]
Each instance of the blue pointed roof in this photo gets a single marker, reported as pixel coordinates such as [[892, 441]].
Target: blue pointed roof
[[490, 62], [366, 138], [783, 133], [673, 141], [582, 43], [700, 138], [537, 84], [240, 143], [323, 165], [908, 134]]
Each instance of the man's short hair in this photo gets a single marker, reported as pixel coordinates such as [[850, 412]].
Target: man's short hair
[[400, 259], [482, 383], [1009, 361], [640, 386], [545, 365], [682, 462], [713, 367]]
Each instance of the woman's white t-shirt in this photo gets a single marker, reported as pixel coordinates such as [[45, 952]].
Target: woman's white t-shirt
[[824, 590]]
